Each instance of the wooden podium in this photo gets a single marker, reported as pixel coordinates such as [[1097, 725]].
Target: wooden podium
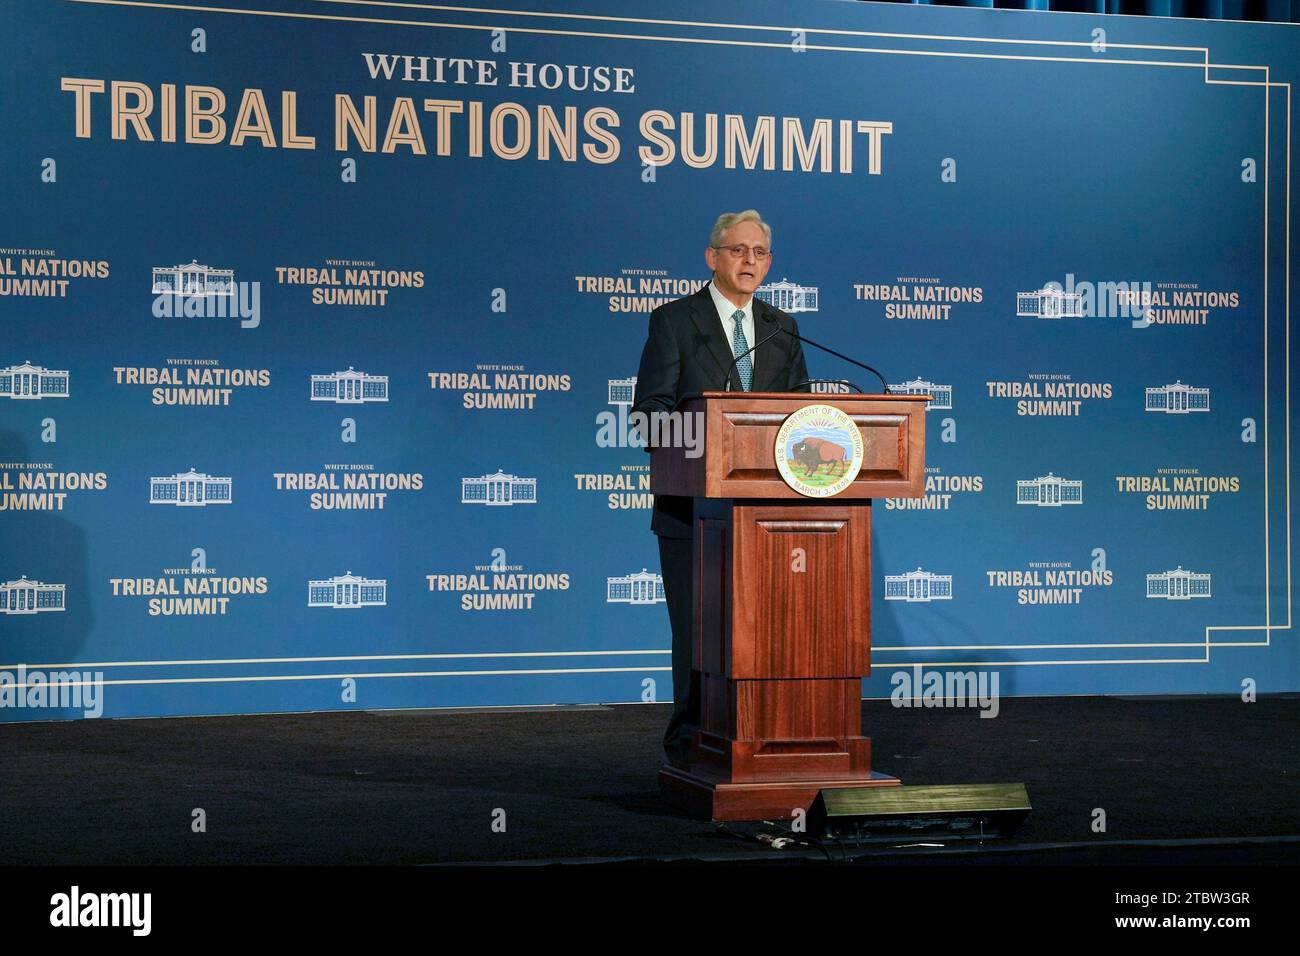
[[782, 637]]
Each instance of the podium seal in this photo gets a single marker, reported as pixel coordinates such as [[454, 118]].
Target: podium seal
[[818, 451]]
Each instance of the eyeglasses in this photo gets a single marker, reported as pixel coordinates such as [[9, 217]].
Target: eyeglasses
[[742, 251]]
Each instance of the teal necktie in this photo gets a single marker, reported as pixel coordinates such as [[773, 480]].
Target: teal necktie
[[739, 347]]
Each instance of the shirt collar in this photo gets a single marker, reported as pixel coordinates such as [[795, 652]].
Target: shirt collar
[[726, 307]]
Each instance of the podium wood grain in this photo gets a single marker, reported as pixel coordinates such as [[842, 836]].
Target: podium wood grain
[[781, 652]]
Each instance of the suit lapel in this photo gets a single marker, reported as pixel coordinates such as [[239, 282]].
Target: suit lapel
[[705, 316]]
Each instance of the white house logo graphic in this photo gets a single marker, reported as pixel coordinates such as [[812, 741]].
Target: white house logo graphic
[[350, 387], [1049, 491], [189, 489], [788, 296], [1178, 399], [1178, 585], [31, 597], [940, 395], [643, 587], [193, 279], [498, 489], [1050, 304], [347, 591], [28, 381], [918, 585], [622, 390]]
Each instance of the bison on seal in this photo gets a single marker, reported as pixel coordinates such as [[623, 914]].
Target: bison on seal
[[812, 453]]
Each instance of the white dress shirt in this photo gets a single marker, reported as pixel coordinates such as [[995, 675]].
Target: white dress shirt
[[725, 309]]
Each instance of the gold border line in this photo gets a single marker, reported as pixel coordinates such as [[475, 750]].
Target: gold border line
[[661, 39], [505, 673], [344, 676], [448, 8], [589, 16], [358, 657], [1268, 627]]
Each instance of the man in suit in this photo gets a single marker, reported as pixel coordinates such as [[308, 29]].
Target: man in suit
[[693, 347]]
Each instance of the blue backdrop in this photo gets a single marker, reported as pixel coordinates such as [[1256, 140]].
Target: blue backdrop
[[1074, 230]]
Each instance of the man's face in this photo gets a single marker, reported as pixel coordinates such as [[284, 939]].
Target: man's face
[[739, 275]]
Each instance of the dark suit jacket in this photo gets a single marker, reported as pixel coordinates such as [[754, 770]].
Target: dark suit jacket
[[687, 353]]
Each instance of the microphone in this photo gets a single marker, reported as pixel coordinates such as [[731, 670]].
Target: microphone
[[818, 345], [761, 342]]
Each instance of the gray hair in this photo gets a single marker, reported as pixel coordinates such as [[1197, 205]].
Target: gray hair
[[729, 219]]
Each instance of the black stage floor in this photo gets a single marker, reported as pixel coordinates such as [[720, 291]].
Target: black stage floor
[[1179, 779]]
